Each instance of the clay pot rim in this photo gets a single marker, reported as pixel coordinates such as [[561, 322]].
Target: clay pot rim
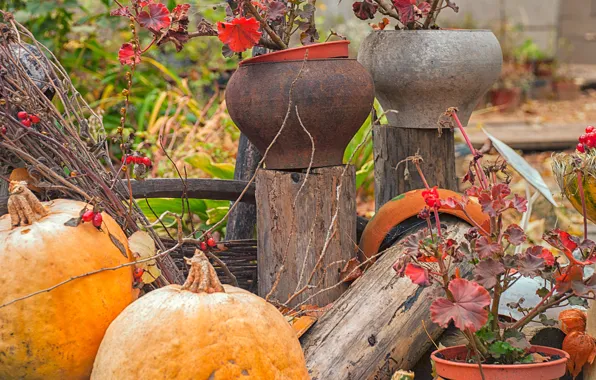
[[339, 48], [534, 348], [294, 61]]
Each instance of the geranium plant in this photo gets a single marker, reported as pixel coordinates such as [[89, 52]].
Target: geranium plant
[[267, 23], [408, 14], [500, 255]]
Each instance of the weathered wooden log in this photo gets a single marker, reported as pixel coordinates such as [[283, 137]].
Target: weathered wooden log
[[590, 369], [243, 219], [291, 239], [377, 326], [392, 145]]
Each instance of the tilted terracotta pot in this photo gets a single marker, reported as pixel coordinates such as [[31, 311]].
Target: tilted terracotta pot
[[332, 94]]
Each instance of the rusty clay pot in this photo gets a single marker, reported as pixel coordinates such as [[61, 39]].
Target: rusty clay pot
[[333, 98], [420, 73]]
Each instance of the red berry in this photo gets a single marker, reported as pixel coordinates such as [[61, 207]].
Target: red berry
[[88, 216], [146, 161], [580, 148], [211, 242], [203, 246], [583, 138], [97, 220], [129, 159], [138, 274], [138, 160], [26, 122], [589, 129], [34, 119], [22, 115]]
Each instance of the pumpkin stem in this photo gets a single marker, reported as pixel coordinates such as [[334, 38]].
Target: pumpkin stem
[[202, 276], [23, 206]]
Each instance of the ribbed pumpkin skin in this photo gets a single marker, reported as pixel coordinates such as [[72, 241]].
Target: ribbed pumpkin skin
[[56, 335], [572, 193], [177, 334]]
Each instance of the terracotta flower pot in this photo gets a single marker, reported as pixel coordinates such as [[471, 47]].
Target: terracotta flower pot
[[421, 73], [450, 370], [508, 99], [333, 95]]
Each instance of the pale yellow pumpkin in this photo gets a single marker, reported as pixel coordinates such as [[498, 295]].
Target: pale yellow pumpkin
[[200, 331], [56, 334]]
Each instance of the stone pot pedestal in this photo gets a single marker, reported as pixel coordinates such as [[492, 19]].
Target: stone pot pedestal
[[420, 74]]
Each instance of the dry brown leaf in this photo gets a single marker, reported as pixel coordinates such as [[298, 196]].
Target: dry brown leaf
[[537, 358], [580, 348], [351, 270], [302, 324]]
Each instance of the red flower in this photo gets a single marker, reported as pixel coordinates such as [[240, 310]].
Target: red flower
[[431, 197], [240, 34]]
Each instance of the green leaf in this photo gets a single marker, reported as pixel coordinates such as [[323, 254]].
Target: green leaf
[[499, 349], [546, 321], [527, 359], [216, 170], [577, 301], [542, 292], [161, 205], [216, 214]]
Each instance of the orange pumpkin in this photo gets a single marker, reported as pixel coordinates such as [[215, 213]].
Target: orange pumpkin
[[56, 334], [200, 330]]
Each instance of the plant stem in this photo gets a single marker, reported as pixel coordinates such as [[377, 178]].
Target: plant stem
[[580, 187], [431, 14], [495, 306], [274, 37], [540, 308], [479, 171]]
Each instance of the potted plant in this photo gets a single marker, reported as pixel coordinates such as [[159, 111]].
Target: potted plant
[[499, 254], [300, 97], [418, 68], [507, 92]]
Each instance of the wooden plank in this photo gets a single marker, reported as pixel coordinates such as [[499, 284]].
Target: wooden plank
[[292, 238], [392, 145], [200, 188], [243, 219], [520, 135], [375, 327]]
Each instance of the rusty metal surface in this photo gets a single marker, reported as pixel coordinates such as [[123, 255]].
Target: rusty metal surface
[[333, 97]]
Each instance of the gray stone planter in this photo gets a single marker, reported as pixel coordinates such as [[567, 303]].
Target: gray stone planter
[[422, 73]]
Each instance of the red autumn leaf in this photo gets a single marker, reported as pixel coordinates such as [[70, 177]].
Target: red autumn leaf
[[519, 203], [530, 264], [468, 308], [573, 273], [486, 272], [417, 274], [547, 256], [276, 10], [127, 55], [351, 271], [424, 7], [142, 3], [240, 34], [485, 248], [514, 234], [364, 10], [180, 11], [124, 12], [561, 240], [405, 8], [155, 18]]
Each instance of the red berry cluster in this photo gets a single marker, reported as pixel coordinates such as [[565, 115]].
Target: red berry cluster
[[209, 243], [137, 160], [93, 217], [587, 140], [431, 197], [27, 119]]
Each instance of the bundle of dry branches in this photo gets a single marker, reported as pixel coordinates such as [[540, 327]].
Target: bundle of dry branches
[[64, 145]]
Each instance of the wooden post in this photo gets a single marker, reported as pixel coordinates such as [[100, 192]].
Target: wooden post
[[590, 369], [291, 239], [392, 145], [243, 219], [376, 326]]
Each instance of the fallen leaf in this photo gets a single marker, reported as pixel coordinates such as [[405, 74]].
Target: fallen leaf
[[302, 324], [351, 270]]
